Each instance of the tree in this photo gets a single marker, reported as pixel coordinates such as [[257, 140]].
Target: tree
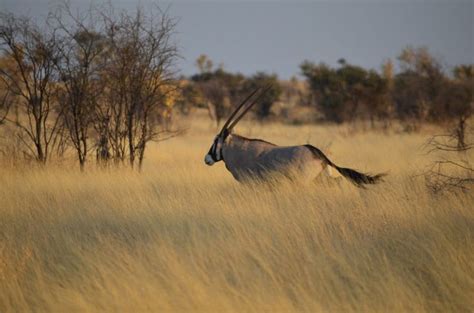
[[5, 105], [6, 95], [325, 85], [33, 81], [262, 80], [204, 64], [190, 97], [353, 88], [339, 92], [139, 76], [377, 97], [388, 74], [418, 85], [96, 70], [464, 72], [79, 68], [219, 90], [458, 101], [217, 99]]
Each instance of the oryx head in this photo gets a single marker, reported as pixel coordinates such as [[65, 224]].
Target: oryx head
[[215, 152]]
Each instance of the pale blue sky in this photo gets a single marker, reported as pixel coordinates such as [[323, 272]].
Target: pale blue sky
[[276, 36]]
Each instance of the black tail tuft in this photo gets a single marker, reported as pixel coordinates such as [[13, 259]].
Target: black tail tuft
[[359, 179]]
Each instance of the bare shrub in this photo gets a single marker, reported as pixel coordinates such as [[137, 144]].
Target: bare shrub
[[452, 169]]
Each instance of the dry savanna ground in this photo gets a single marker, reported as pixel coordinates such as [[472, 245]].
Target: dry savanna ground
[[184, 237]]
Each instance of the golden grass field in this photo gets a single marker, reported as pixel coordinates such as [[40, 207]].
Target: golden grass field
[[184, 237]]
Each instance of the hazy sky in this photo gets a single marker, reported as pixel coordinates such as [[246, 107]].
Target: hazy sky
[[276, 36]]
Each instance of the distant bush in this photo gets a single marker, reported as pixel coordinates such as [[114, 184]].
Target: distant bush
[[421, 91]]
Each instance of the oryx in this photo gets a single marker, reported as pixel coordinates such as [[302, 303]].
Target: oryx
[[248, 158]]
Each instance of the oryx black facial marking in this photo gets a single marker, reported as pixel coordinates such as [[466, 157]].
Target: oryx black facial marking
[[215, 152]]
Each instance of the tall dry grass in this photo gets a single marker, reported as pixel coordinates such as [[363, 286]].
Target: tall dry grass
[[183, 237]]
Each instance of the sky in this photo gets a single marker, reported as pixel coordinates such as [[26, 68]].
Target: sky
[[277, 36]]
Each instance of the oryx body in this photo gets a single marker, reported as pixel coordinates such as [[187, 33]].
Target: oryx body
[[245, 158], [254, 158]]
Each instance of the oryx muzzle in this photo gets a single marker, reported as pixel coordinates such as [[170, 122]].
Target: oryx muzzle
[[246, 158]]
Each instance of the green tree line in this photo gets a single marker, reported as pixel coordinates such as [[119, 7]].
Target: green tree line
[[420, 91]]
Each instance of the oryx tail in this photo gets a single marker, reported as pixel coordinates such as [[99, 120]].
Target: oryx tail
[[357, 178]]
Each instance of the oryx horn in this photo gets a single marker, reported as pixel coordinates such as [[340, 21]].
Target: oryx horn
[[231, 126], [237, 109]]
